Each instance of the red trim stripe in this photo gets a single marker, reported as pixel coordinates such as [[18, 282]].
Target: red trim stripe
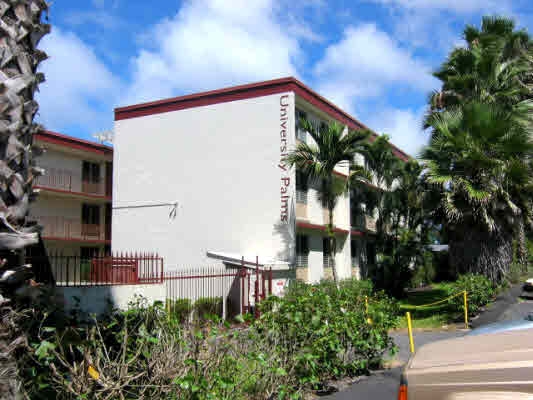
[[72, 142], [94, 241], [307, 225], [92, 196], [242, 92]]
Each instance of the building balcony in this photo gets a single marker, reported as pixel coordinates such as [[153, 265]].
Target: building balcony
[[301, 204], [61, 228], [363, 223], [328, 260], [302, 260], [66, 181]]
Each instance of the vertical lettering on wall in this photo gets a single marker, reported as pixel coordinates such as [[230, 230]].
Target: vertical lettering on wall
[[285, 177]]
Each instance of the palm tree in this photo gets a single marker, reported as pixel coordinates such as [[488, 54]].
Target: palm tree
[[496, 67], [374, 180], [479, 155], [318, 160], [21, 32]]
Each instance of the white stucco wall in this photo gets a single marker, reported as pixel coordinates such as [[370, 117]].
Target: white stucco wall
[[97, 300], [221, 164]]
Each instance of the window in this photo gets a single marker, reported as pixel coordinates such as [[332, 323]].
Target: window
[[302, 250], [90, 172], [371, 253], [301, 187], [90, 214], [300, 133], [302, 244]]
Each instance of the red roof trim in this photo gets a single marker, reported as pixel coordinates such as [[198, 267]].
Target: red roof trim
[[242, 92], [307, 225], [92, 196], [73, 142], [95, 241]]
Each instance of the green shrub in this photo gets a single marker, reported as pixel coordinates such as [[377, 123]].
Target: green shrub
[[180, 309], [208, 306], [324, 333], [316, 333], [480, 291]]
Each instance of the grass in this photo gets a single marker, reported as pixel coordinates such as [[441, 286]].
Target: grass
[[428, 317]]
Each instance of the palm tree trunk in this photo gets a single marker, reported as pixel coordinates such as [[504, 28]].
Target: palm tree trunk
[[480, 252], [20, 33], [521, 244], [332, 246]]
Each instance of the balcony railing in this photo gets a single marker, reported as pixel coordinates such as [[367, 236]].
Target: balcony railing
[[66, 180], [70, 228], [301, 196], [302, 260], [363, 222], [328, 260]]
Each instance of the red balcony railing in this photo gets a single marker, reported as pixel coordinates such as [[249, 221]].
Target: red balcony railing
[[96, 188], [117, 269], [70, 228], [66, 180]]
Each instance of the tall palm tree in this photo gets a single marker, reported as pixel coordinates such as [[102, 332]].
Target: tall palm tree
[[317, 161], [478, 156], [20, 33], [496, 67], [375, 179]]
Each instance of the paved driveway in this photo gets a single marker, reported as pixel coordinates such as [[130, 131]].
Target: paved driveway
[[384, 385]]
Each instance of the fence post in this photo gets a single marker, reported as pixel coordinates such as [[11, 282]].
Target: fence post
[[410, 332], [270, 281], [242, 285], [256, 294], [466, 309]]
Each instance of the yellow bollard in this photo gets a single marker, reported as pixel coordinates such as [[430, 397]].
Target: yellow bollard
[[466, 309], [410, 331]]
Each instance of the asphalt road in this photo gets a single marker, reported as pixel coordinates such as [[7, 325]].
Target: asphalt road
[[384, 385]]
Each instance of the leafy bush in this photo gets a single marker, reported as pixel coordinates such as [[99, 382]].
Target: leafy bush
[[208, 306], [140, 353], [324, 333], [480, 291], [180, 309], [315, 333]]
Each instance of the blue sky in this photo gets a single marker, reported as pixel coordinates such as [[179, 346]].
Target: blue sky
[[373, 58]]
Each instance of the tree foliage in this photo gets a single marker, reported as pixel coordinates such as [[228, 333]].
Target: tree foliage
[[480, 150]]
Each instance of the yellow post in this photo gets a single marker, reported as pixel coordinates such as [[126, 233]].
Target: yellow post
[[410, 331], [466, 309], [168, 309], [366, 304]]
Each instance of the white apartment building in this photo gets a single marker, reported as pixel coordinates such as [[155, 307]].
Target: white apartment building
[[74, 202], [219, 156]]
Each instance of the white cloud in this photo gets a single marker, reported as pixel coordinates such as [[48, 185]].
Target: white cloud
[[79, 89], [404, 126], [365, 63], [210, 44]]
